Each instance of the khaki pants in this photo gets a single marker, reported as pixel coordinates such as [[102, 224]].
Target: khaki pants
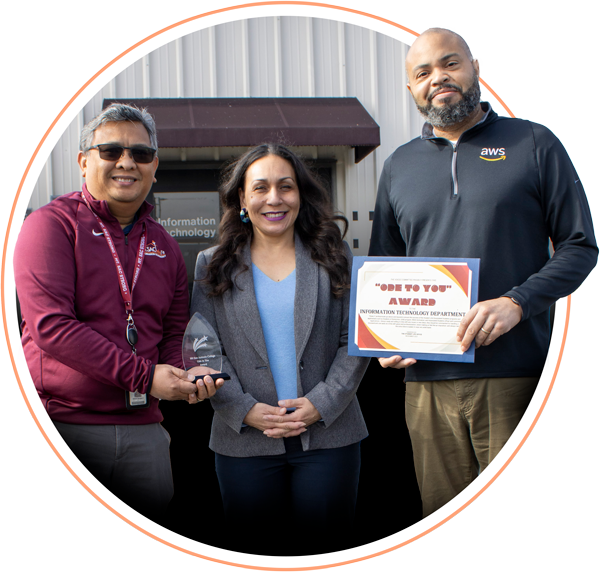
[[457, 427]]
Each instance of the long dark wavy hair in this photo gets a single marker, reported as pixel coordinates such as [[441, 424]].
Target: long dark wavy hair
[[316, 224]]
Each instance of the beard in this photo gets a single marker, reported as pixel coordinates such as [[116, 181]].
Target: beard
[[449, 114]]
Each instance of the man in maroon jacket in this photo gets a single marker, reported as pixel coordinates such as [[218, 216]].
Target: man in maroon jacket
[[104, 300]]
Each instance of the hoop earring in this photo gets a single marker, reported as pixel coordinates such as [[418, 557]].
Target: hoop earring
[[244, 215]]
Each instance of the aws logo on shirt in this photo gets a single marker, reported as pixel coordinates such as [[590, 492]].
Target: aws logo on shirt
[[493, 154]]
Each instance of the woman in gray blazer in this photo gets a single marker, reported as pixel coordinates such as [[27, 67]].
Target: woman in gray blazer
[[287, 426]]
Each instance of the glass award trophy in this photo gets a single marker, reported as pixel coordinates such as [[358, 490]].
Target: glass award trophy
[[201, 346]]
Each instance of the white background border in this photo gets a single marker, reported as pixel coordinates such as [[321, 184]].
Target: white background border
[[579, 14]]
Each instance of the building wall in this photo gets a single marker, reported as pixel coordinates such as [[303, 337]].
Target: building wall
[[542, 72]]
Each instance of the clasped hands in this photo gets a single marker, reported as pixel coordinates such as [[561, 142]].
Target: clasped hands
[[277, 423], [172, 383], [483, 323]]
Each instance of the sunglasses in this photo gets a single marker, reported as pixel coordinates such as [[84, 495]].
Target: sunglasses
[[111, 152]]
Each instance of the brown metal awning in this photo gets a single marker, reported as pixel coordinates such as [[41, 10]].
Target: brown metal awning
[[246, 121]]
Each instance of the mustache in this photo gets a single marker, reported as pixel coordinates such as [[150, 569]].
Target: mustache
[[444, 88]]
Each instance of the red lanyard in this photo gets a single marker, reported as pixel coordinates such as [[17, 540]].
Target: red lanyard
[[126, 293]]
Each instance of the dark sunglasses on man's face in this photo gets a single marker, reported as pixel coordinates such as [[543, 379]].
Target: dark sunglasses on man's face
[[111, 152]]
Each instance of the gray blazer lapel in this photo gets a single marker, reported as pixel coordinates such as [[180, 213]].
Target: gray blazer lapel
[[246, 309], [307, 293]]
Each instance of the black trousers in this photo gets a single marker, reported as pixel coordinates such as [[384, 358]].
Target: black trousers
[[301, 502]]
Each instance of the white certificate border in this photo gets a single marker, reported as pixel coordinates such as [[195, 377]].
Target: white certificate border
[[359, 261]]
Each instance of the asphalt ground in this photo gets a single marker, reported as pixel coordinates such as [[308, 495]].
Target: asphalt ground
[[571, 501]]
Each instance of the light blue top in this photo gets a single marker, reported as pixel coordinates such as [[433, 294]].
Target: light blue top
[[275, 302]]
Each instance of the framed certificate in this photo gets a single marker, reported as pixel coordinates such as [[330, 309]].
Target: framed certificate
[[411, 306]]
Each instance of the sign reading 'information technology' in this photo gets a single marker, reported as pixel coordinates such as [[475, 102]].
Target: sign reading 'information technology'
[[188, 215]]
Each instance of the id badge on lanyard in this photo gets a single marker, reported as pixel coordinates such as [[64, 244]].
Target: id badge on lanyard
[[133, 399]]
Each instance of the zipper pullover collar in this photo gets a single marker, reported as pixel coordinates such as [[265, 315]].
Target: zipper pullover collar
[[429, 134], [102, 210]]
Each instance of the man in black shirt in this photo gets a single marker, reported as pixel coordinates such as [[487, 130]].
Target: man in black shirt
[[476, 185]]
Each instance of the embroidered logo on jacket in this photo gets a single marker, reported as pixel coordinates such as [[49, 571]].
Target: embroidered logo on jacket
[[97, 233], [493, 154], [152, 250]]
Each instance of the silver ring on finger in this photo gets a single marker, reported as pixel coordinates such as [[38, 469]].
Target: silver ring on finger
[[485, 331]]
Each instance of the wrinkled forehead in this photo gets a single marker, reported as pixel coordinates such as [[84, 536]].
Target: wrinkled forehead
[[270, 165], [123, 132], [433, 47]]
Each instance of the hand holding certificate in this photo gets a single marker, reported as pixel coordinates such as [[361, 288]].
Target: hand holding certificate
[[411, 307]]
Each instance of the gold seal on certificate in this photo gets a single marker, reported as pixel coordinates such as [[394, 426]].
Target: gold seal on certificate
[[411, 306]]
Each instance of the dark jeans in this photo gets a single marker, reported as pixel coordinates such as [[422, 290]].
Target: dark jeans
[[301, 502]]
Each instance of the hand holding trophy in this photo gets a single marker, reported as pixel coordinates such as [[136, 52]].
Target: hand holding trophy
[[201, 349]]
